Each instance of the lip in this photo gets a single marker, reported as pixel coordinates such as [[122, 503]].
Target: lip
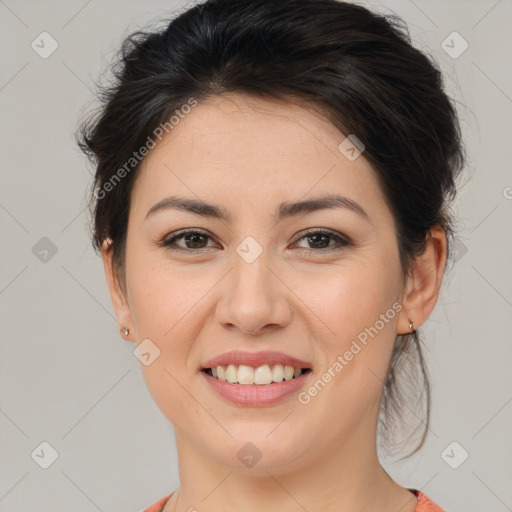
[[256, 395], [255, 359]]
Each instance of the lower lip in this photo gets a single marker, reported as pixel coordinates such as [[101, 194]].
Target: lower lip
[[254, 395]]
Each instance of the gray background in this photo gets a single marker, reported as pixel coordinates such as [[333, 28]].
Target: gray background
[[69, 379]]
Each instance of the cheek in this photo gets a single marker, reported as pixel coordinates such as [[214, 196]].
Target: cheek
[[167, 314], [361, 309], [166, 310], [165, 306], [353, 299], [163, 295]]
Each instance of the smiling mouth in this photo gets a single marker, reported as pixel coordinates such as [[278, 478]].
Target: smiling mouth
[[262, 375]]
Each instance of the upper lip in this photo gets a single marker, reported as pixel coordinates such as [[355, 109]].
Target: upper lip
[[255, 359]]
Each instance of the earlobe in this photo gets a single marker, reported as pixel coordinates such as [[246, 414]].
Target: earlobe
[[117, 295], [424, 283]]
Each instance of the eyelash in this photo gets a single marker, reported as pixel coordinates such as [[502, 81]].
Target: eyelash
[[342, 241]]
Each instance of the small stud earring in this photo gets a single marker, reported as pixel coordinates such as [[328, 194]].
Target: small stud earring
[[125, 331], [411, 326]]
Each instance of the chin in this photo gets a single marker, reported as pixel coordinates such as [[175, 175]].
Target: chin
[[254, 453]]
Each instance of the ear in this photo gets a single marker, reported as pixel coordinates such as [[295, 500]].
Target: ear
[[117, 295], [424, 283]]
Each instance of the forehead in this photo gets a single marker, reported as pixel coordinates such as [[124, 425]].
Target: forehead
[[234, 126], [233, 144]]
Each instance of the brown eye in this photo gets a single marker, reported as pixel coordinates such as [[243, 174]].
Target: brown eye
[[192, 239], [319, 241], [196, 240]]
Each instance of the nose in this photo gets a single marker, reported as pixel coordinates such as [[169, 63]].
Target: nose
[[254, 298]]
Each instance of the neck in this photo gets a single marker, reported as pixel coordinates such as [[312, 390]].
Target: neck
[[345, 478]]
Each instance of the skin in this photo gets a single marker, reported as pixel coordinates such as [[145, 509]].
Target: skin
[[249, 155]]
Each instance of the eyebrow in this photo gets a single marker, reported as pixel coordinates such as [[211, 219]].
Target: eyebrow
[[284, 210]]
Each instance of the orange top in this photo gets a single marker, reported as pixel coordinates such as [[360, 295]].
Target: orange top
[[425, 504]]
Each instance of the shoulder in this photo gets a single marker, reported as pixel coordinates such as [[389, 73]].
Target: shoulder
[[158, 506], [425, 504]]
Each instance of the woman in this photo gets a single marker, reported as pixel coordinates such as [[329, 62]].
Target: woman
[[271, 206]]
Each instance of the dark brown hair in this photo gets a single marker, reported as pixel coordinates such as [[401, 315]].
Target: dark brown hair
[[355, 67]]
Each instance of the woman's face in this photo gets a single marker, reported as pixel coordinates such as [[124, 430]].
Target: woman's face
[[256, 281]]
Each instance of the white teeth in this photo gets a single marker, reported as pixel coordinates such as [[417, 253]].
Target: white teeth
[[262, 375], [246, 375], [277, 373], [231, 373], [221, 374], [288, 372]]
